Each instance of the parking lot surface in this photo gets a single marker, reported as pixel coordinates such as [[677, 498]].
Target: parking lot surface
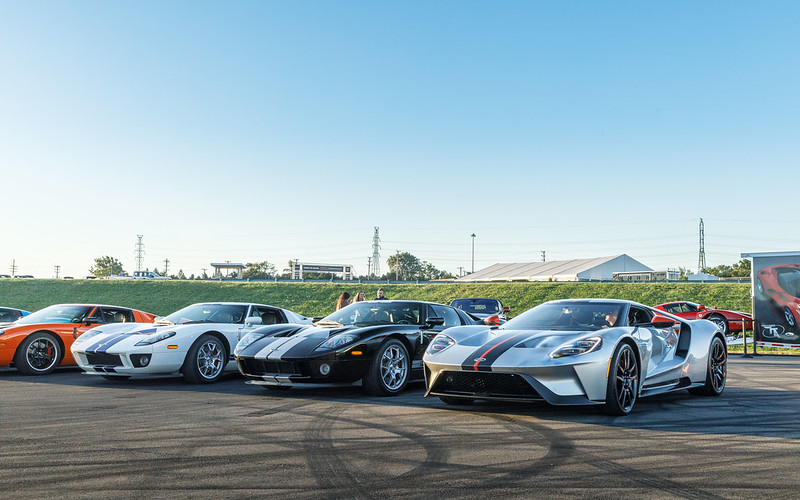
[[70, 435]]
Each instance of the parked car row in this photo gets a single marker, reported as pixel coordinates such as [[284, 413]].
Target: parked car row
[[586, 352]]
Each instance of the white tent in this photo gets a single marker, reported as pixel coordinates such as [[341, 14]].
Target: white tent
[[597, 269]]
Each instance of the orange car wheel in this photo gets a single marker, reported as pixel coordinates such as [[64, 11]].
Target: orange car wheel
[[38, 354]]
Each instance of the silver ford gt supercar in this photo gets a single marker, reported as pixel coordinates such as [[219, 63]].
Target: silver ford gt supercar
[[578, 352]]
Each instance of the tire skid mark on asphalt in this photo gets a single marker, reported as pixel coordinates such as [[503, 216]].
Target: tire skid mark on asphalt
[[437, 456], [328, 469], [283, 408]]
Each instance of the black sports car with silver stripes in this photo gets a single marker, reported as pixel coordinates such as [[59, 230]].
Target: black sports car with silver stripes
[[377, 342]]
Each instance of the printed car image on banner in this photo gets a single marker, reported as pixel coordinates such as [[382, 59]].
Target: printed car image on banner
[[776, 298]]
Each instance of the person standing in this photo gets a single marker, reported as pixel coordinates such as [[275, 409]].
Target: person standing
[[381, 295], [344, 300], [360, 296]]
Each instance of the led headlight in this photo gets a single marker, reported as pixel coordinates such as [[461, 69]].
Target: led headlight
[[247, 341], [337, 341], [440, 343], [156, 337], [578, 347]]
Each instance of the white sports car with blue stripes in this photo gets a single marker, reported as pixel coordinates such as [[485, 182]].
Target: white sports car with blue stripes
[[578, 352], [196, 342]]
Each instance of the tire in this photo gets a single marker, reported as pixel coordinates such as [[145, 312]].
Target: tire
[[716, 371], [38, 354], [623, 381], [116, 378], [789, 316], [721, 322], [388, 373], [457, 401], [205, 361]]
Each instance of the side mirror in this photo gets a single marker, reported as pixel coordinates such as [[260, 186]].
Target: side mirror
[[662, 322], [252, 321], [701, 307], [91, 321], [506, 309], [431, 322]]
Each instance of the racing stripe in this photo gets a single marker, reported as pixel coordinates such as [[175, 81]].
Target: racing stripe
[[103, 345], [482, 358]]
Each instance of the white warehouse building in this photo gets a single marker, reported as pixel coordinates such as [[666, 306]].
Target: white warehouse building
[[597, 269]]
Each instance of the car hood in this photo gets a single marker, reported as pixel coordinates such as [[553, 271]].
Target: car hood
[[281, 341]]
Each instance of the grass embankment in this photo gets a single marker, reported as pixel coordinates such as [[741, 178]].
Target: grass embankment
[[319, 299]]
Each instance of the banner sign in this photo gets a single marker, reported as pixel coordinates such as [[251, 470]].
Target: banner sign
[[776, 298]]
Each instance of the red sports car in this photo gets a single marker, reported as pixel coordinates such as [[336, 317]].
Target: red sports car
[[781, 284], [727, 321]]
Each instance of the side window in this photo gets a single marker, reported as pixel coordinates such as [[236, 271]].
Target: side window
[[268, 316], [450, 315], [110, 315], [637, 316], [672, 308]]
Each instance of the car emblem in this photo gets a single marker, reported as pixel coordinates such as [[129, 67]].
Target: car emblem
[[478, 360]]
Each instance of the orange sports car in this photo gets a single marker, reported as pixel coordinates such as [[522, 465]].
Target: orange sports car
[[39, 342]]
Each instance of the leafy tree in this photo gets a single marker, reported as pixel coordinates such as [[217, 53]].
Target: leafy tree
[[405, 266], [742, 269], [683, 273], [259, 270], [179, 276], [106, 266]]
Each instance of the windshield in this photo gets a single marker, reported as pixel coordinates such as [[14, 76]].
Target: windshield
[[568, 316], [208, 313], [477, 306], [377, 313], [57, 314]]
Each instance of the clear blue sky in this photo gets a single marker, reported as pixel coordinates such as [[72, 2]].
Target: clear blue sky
[[259, 130]]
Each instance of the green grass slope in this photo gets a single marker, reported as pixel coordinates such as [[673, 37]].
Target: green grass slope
[[319, 299]]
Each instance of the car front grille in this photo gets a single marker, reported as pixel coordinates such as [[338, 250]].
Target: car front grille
[[252, 366], [103, 358], [485, 385]]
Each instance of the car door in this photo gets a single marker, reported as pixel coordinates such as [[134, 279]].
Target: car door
[[657, 346]]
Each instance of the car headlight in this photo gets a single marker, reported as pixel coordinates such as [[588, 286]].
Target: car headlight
[[247, 341], [157, 337], [88, 334], [578, 347], [337, 341], [440, 343]]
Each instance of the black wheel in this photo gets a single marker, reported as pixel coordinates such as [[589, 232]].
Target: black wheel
[[457, 401], [721, 322], [388, 373], [116, 378], [716, 372], [205, 360], [623, 381], [787, 313], [39, 354]]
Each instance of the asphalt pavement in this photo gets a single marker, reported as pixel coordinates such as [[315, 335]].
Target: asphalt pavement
[[70, 435]]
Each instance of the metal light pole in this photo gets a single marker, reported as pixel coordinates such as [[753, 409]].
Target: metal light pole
[[473, 252]]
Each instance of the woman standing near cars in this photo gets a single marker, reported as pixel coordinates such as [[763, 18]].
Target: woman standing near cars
[[344, 300]]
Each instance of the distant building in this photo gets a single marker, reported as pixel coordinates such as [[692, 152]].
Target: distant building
[[668, 275], [702, 277], [597, 269], [228, 270]]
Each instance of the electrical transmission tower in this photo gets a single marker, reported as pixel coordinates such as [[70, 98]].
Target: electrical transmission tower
[[375, 263], [139, 252], [701, 259]]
